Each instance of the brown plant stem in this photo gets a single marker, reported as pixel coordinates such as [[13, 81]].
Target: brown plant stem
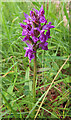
[[34, 78]]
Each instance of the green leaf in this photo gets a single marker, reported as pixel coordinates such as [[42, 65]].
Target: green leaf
[[27, 85], [10, 89], [43, 69], [65, 11], [58, 30]]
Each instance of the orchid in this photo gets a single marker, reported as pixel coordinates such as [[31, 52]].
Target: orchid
[[34, 32]]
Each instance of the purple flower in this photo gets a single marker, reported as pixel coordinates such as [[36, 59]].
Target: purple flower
[[41, 11], [37, 12], [43, 45], [43, 37], [35, 39], [26, 16], [32, 14], [42, 19], [25, 32], [40, 15], [48, 34], [35, 33], [48, 26], [22, 25], [29, 51], [26, 38]]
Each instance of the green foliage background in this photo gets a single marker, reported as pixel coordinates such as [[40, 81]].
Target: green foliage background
[[16, 89]]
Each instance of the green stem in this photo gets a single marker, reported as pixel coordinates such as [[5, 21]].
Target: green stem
[[34, 79]]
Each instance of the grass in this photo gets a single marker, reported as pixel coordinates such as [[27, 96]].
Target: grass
[[16, 76]]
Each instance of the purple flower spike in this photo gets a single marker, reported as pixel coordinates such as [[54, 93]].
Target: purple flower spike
[[35, 34]]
